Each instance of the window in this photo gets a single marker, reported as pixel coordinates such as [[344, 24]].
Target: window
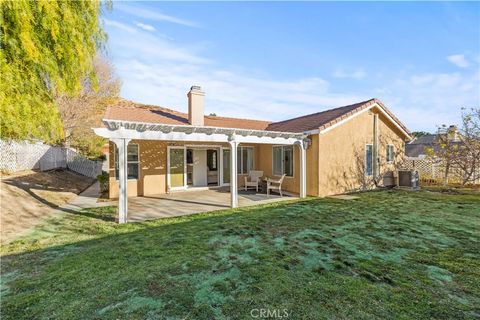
[[390, 153], [212, 160], [369, 160], [132, 161], [283, 160], [244, 160]]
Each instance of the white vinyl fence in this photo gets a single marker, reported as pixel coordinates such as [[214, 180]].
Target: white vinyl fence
[[434, 171], [22, 155]]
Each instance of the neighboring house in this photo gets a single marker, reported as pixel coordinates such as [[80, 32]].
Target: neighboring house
[[416, 149], [329, 152], [421, 156]]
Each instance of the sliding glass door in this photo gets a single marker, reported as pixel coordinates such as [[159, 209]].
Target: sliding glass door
[[226, 166], [177, 167]]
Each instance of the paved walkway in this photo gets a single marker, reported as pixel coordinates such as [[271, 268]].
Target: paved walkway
[[88, 199]]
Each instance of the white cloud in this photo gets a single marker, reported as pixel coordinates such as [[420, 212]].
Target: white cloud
[[152, 15], [146, 46], [119, 25], [459, 60], [425, 101], [356, 74], [157, 71], [228, 94], [144, 26]]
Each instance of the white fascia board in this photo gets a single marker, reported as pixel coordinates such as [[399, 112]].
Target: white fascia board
[[310, 132], [362, 111], [182, 136]]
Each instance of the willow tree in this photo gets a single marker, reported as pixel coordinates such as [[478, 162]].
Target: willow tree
[[47, 47]]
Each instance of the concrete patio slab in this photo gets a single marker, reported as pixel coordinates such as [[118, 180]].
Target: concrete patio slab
[[191, 202]]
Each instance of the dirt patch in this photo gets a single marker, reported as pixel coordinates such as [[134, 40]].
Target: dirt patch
[[27, 197]]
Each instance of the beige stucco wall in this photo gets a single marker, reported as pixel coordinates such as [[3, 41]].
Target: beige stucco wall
[[335, 159], [292, 184], [153, 170], [342, 153]]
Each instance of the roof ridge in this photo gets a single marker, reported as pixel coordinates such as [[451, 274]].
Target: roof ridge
[[328, 110], [143, 105], [222, 117]]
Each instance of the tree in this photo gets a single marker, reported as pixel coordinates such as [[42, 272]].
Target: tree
[[418, 134], [47, 47], [467, 156], [459, 149], [83, 111], [443, 149]]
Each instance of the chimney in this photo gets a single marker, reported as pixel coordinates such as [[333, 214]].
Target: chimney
[[196, 106], [453, 133]]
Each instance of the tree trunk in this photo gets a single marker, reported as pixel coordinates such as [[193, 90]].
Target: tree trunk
[[447, 170]]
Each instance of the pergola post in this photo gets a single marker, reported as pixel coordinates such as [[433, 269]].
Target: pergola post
[[122, 179], [233, 171], [303, 169]]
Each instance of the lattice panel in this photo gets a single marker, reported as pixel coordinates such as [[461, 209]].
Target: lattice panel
[[17, 156], [434, 170], [82, 165]]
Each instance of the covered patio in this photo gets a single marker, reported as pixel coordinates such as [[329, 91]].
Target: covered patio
[[121, 132], [190, 202]]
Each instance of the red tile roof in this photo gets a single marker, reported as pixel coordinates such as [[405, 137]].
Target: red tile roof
[[327, 118], [129, 111]]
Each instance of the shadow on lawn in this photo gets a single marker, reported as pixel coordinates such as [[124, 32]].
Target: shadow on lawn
[[58, 181], [142, 263], [373, 254]]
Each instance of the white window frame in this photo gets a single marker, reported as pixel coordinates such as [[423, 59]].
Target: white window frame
[[115, 161], [240, 166], [366, 161], [392, 154], [283, 160]]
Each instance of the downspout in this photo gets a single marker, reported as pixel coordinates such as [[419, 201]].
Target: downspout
[[376, 159]]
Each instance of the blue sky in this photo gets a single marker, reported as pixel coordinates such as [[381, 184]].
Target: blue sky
[[277, 60]]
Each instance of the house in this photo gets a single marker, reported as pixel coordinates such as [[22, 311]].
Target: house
[[156, 150], [422, 155], [417, 148]]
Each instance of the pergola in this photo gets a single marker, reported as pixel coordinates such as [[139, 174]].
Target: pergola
[[122, 132]]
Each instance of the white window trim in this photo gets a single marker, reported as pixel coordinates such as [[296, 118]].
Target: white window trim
[[393, 153], [293, 161], [240, 148], [365, 157], [115, 162]]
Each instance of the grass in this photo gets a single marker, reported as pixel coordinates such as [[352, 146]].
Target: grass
[[388, 254]]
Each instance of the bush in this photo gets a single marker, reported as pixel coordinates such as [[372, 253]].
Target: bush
[[103, 180]]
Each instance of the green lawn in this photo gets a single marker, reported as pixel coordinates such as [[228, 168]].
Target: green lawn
[[388, 254]]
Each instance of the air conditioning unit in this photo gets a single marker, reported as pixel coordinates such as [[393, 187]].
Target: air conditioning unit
[[389, 179], [408, 179]]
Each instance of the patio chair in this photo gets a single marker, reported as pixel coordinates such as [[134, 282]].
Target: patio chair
[[275, 185], [253, 179]]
